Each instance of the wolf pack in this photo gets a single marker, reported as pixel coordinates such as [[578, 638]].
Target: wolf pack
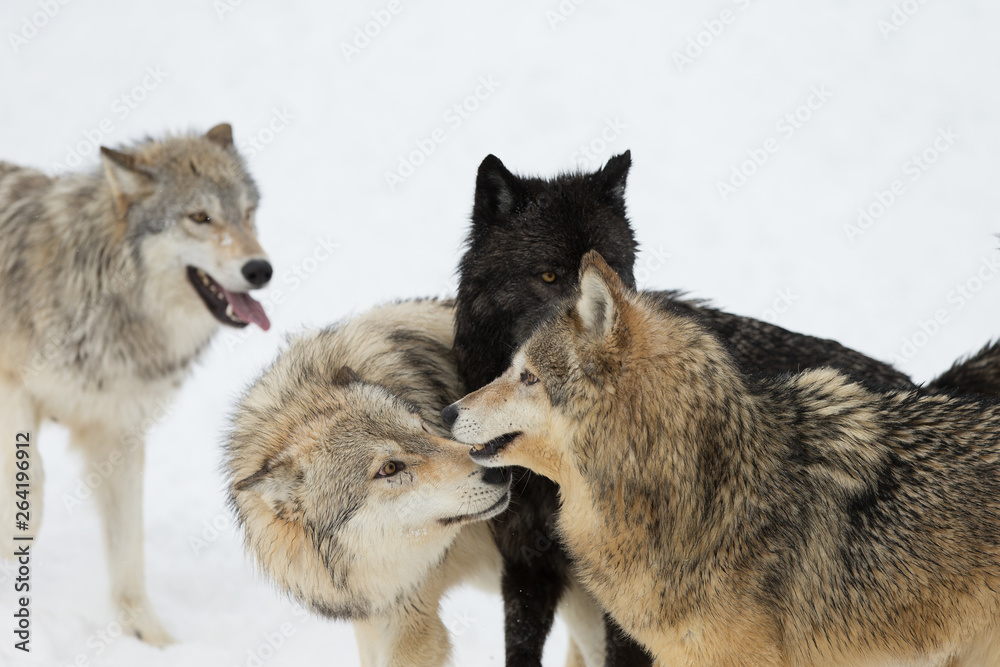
[[683, 486]]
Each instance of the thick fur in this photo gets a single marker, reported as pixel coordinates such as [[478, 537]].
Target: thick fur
[[800, 520], [101, 322], [523, 228], [307, 442]]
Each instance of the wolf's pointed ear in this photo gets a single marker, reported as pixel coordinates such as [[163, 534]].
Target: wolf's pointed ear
[[345, 376], [277, 483], [129, 181], [499, 193], [600, 298], [614, 174], [221, 134]]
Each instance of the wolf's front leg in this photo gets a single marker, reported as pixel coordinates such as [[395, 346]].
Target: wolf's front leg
[[119, 500], [18, 432], [412, 636], [535, 567]]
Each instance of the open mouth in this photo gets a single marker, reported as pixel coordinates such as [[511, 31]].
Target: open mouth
[[488, 513], [237, 309], [493, 447]]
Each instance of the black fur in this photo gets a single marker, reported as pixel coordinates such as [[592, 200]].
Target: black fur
[[979, 374], [523, 228]]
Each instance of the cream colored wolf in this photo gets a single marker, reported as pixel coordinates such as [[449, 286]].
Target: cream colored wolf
[[352, 501], [111, 285], [726, 521]]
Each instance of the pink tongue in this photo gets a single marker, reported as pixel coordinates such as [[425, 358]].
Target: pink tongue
[[247, 309]]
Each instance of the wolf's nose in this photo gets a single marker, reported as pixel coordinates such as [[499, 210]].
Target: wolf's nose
[[449, 415], [496, 475], [257, 272]]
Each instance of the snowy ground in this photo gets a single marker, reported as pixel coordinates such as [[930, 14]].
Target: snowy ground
[[559, 85]]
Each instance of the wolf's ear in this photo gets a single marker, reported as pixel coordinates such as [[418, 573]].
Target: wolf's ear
[[614, 174], [277, 483], [499, 193], [345, 376], [221, 134], [600, 296], [129, 181]]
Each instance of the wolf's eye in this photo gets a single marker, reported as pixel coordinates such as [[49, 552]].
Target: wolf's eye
[[390, 468], [549, 277], [528, 378], [200, 217]]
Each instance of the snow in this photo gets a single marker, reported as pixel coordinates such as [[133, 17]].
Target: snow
[[324, 129]]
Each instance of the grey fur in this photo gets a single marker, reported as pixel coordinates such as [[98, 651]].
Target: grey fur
[[102, 317]]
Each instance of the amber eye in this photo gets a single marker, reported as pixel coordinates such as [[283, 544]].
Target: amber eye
[[549, 277], [200, 217], [390, 468], [528, 378]]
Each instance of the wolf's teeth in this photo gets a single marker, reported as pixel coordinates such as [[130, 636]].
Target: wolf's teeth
[[229, 312], [479, 448]]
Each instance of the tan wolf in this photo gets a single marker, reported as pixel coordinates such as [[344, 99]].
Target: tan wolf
[[351, 499], [111, 284], [725, 520]]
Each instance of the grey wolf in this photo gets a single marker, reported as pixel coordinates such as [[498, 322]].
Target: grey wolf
[[111, 284], [725, 520], [524, 248], [349, 495]]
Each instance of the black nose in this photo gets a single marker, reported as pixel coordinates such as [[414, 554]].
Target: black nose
[[257, 272], [449, 415], [496, 476]]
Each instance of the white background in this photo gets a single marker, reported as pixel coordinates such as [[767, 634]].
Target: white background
[[560, 84]]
